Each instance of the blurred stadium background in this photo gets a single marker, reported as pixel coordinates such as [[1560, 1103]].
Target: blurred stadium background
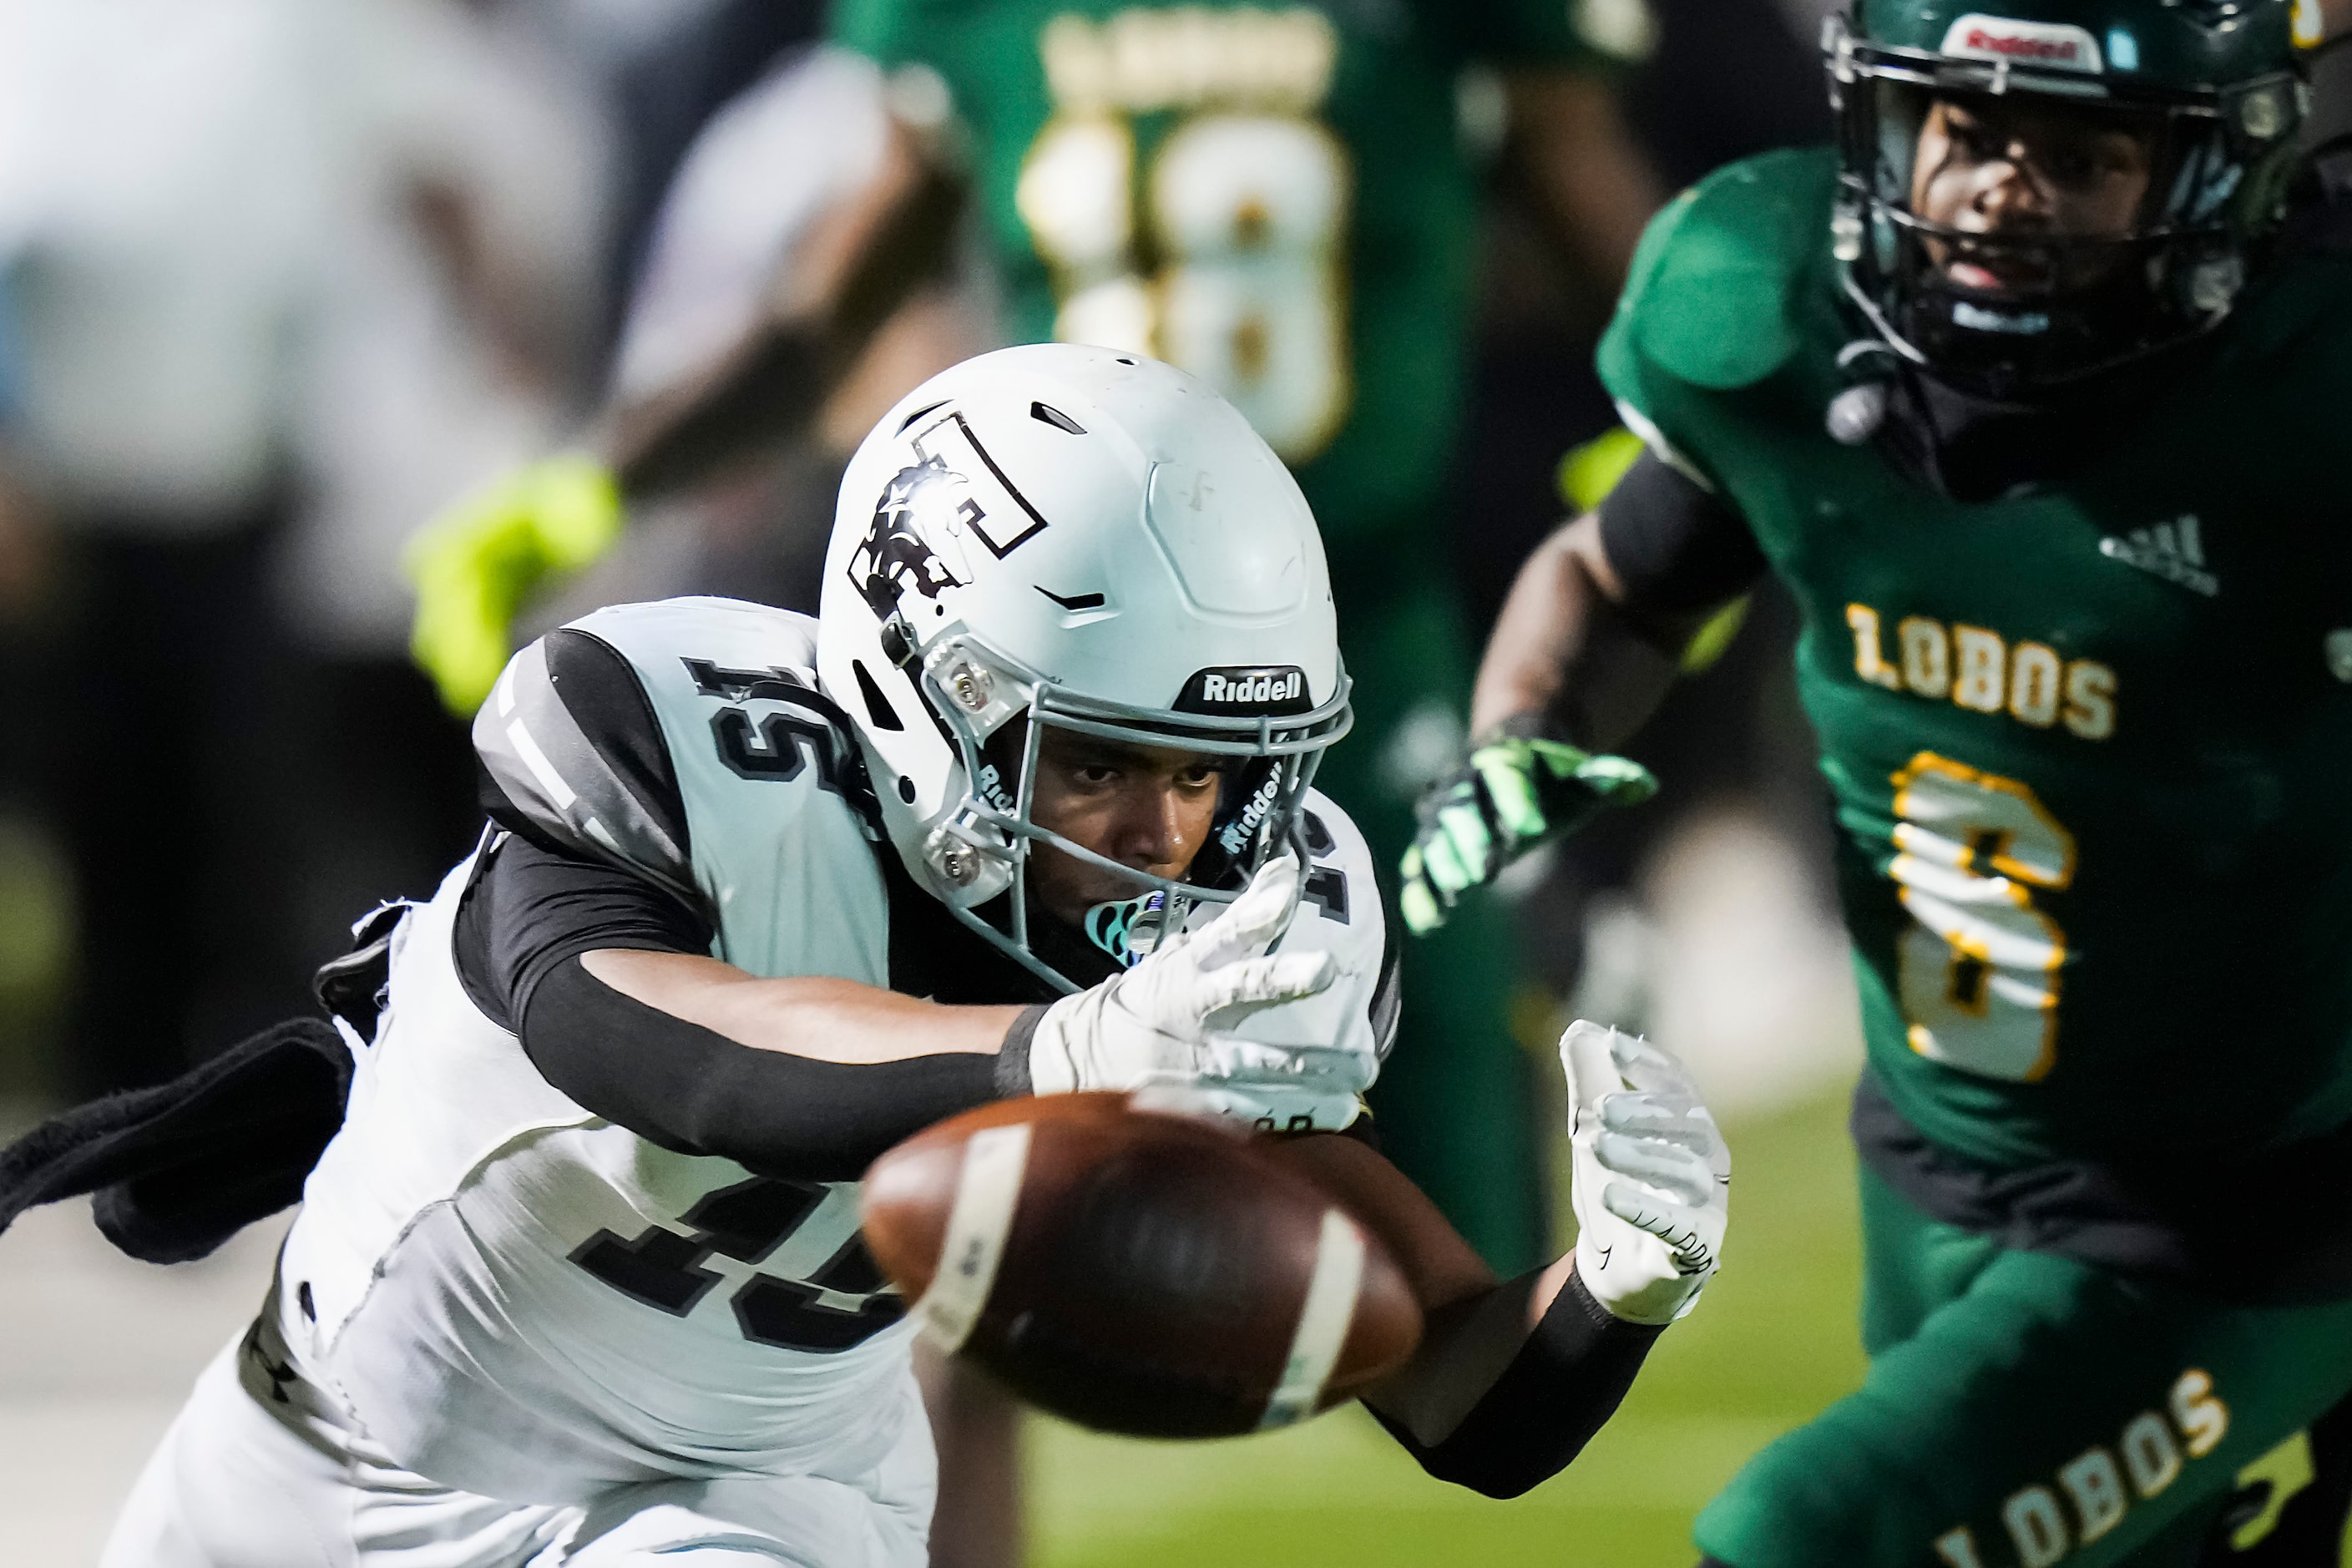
[[279, 277]]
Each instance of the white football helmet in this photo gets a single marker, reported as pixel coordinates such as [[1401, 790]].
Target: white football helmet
[[1088, 539]]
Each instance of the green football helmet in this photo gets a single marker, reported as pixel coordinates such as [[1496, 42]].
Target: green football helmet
[[2208, 94]]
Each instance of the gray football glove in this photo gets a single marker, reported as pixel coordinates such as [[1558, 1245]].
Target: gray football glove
[[1169, 1026], [1652, 1177]]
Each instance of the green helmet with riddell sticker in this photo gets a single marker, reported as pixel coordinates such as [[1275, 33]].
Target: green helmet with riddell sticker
[[2150, 144]]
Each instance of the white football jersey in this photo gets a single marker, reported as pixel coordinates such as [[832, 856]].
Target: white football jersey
[[519, 1299]]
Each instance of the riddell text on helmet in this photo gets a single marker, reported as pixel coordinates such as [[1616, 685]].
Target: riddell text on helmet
[[2060, 46], [1276, 689], [1265, 689], [2027, 49]]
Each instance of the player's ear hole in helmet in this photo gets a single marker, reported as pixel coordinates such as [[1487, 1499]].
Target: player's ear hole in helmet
[[2034, 198], [1143, 572]]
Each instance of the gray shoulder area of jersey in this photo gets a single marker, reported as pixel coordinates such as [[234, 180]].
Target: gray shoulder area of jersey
[[1369, 955], [578, 734], [1341, 893], [1340, 912]]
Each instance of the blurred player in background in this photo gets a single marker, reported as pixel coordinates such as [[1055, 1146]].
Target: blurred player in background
[[156, 231], [2034, 395], [661, 73], [1599, 922], [454, 298], [279, 274], [804, 139], [496, 1334]]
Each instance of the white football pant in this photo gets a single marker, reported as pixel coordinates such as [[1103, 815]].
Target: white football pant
[[261, 1469]]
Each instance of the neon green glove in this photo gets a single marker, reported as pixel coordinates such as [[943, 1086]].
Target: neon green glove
[[1510, 795], [476, 561]]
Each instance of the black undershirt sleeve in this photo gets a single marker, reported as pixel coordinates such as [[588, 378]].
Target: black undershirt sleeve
[[687, 1088], [1560, 1387], [521, 928], [530, 906], [1675, 545]]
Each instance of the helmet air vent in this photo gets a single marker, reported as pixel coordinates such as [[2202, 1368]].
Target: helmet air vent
[[877, 707], [926, 409], [1045, 414]]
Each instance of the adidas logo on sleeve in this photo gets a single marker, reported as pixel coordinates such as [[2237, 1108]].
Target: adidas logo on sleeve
[[2172, 550]]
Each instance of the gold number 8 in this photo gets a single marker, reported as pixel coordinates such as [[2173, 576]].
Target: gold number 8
[[1248, 215], [1978, 971]]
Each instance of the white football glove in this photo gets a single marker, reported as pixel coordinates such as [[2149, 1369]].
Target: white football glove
[[1165, 1026], [1652, 1177]]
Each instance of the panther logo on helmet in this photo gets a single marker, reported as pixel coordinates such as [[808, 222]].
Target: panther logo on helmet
[[922, 504]]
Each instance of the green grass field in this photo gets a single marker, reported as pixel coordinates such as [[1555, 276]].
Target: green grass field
[[1773, 1343]]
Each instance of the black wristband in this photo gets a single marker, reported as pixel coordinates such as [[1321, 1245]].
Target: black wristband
[[1013, 1057], [1599, 1319], [1564, 1384]]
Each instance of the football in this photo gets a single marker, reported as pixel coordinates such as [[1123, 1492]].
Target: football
[[1135, 1270]]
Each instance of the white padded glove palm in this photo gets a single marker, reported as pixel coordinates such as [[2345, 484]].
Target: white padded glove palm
[[1166, 1025], [1652, 1177]]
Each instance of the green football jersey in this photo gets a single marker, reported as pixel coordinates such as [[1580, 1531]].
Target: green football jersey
[[1274, 198], [2091, 748]]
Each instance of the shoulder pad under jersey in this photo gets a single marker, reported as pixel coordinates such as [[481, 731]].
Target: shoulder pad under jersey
[[1713, 295], [687, 740]]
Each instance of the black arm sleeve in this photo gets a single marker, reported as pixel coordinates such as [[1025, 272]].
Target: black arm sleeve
[[1559, 1389], [1675, 545], [524, 922], [687, 1088]]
